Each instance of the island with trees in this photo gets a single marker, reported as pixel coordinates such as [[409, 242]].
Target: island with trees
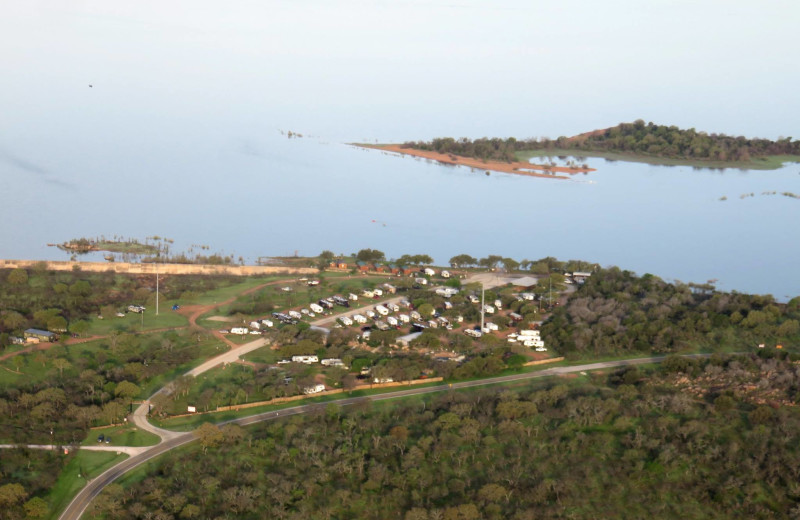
[[637, 142]]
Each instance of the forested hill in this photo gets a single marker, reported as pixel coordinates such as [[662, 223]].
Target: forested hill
[[638, 138]]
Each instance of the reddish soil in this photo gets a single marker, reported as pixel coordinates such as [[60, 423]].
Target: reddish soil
[[193, 312], [517, 168]]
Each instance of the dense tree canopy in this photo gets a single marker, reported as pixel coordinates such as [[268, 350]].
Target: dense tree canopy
[[638, 138], [671, 439]]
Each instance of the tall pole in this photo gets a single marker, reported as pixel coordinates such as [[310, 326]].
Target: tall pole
[[482, 306], [156, 288]]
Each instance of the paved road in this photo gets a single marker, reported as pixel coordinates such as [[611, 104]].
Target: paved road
[[139, 416], [93, 488]]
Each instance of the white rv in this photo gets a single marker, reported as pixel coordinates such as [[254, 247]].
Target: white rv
[[239, 330], [316, 308], [308, 360], [380, 309]]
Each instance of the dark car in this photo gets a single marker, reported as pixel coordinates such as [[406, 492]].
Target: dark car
[[100, 438], [108, 440]]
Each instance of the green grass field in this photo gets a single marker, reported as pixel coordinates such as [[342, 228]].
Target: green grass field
[[134, 322], [121, 436], [772, 162], [72, 479]]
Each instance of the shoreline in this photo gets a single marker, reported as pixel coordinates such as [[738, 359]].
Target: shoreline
[[770, 162], [153, 268], [515, 168]]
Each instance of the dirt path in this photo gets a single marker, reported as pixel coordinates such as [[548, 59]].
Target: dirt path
[[193, 312], [517, 167]]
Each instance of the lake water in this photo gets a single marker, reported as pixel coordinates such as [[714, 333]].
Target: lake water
[[278, 196], [141, 119]]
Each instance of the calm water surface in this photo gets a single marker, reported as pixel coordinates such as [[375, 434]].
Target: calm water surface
[[275, 196], [178, 134]]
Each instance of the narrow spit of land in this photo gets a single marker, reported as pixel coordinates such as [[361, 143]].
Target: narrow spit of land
[[516, 167]]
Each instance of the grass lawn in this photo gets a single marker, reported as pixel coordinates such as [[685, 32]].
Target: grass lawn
[[73, 477], [122, 436], [224, 293], [134, 322], [263, 355], [772, 162]]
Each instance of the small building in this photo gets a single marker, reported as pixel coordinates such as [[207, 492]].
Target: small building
[[37, 335], [314, 389], [363, 267]]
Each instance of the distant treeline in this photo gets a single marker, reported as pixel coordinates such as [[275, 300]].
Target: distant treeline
[[636, 138]]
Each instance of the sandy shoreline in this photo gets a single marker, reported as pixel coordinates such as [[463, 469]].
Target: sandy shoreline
[[516, 168]]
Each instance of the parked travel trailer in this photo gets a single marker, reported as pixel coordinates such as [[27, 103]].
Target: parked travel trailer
[[393, 307], [358, 318], [332, 362], [267, 323], [353, 297], [421, 281], [381, 325], [380, 309], [405, 318], [316, 308], [391, 289], [391, 320], [488, 309], [534, 333], [344, 320], [371, 314], [491, 326], [308, 360], [448, 305], [429, 271], [498, 304], [445, 274], [528, 296], [415, 315], [296, 315], [474, 333], [315, 389], [474, 299], [368, 294], [254, 325], [514, 316], [239, 330], [377, 292]]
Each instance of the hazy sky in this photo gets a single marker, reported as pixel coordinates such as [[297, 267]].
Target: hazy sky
[[393, 70]]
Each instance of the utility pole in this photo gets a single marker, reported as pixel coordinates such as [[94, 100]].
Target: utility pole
[[483, 304], [156, 288]]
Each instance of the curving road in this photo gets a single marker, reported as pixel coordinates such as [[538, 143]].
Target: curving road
[[94, 487]]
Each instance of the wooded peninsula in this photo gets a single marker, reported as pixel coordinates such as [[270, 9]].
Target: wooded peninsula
[[639, 141]]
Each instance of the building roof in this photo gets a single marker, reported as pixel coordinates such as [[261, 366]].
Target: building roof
[[40, 332]]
